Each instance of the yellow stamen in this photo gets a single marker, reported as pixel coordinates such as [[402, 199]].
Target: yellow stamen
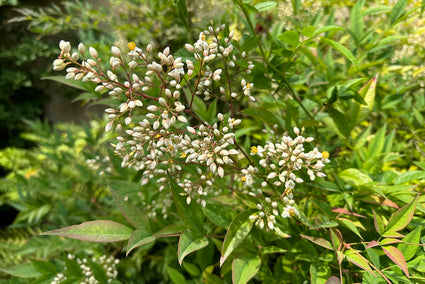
[[292, 212], [288, 191], [254, 150], [131, 45], [243, 179], [158, 136], [183, 155], [325, 154]]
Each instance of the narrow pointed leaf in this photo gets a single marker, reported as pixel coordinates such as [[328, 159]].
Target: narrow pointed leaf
[[131, 213], [245, 267], [138, 238], [188, 244], [397, 10], [401, 218], [356, 20], [327, 29], [239, 229], [318, 241], [409, 176], [341, 49], [388, 241], [272, 249], [94, 231], [376, 145], [350, 225], [397, 257], [26, 270], [410, 246], [358, 260], [191, 214]]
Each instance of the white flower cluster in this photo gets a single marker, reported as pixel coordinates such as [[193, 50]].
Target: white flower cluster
[[162, 132], [107, 263], [159, 132], [100, 165], [281, 161]]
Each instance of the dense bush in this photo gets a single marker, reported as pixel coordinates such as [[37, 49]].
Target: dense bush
[[216, 171]]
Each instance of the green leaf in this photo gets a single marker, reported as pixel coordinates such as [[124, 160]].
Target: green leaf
[[409, 176], [131, 213], [290, 37], [138, 238], [350, 225], [378, 222], [264, 6], [376, 145], [327, 29], [361, 138], [355, 176], [318, 241], [218, 214], [71, 83], [319, 273], [401, 218], [94, 231], [26, 270], [85, 96], [410, 244], [378, 9], [249, 44], [356, 20], [308, 31], [245, 267], [182, 10], [397, 11], [357, 259], [262, 114], [397, 257], [44, 267], [340, 120], [188, 244], [272, 249], [175, 275], [191, 214], [341, 49], [239, 229]]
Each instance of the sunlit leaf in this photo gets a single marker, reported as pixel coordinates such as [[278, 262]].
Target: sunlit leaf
[[397, 257], [245, 267], [341, 49], [401, 218], [94, 231], [188, 244], [239, 229]]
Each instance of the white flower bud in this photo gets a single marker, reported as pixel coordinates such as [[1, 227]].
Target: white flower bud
[[108, 126], [116, 51], [162, 101], [65, 46], [152, 108], [182, 119], [81, 48], [123, 107], [93, 52], [189, 47]]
